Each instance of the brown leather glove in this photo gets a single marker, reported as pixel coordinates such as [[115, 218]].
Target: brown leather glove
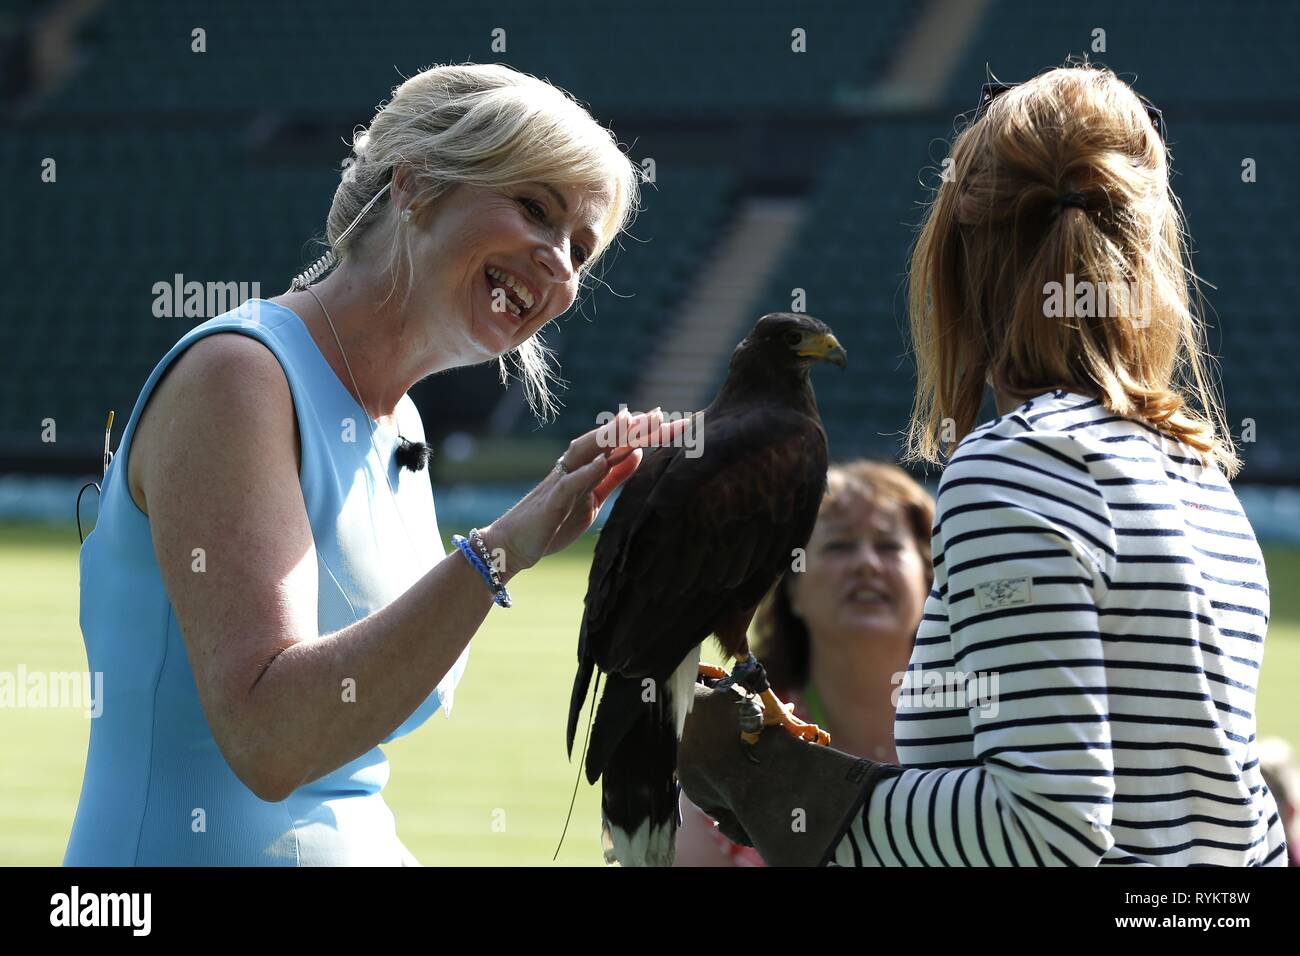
[[790, 800]]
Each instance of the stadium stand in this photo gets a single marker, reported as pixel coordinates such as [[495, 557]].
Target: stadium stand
[[850, 262], [744, 45], [168, 164]]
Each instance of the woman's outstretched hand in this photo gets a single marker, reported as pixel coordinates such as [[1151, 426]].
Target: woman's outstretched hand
[[563, 506]]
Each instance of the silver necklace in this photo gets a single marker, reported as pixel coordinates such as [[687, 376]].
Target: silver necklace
[[360, 400]]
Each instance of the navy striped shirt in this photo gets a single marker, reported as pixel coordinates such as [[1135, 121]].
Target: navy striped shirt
[[1082, 688]]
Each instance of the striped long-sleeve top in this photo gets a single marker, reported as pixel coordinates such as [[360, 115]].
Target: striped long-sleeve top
[[1082, 688]]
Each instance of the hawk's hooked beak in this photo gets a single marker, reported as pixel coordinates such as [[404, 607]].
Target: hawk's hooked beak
[[824, 348]]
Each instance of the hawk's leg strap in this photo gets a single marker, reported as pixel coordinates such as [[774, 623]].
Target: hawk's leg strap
[[751, 675]]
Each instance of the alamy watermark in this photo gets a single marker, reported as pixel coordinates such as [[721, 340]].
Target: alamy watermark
[[53, 689], [619, 430], [946, 689], [129, 910], [204, 300], [1087, 300]]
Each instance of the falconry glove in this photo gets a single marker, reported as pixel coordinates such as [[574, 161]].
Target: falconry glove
[[789, 799]]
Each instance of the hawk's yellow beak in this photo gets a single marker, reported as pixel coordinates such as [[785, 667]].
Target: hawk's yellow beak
[[824, 348]]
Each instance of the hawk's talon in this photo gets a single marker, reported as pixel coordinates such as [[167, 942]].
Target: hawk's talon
[[775, 713], [712, 676]]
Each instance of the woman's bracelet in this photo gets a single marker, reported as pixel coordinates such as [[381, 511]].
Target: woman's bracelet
[[476, 554], [476, 539]]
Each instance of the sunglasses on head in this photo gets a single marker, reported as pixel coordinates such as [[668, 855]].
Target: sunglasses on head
[[991, 91]]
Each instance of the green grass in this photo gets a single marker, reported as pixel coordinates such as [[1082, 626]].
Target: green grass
[[488, 786]]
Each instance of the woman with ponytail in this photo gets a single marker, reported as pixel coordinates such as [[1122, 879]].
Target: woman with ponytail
[[1082, 687]]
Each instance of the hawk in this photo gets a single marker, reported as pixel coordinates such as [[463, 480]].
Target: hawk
[[695, 540]]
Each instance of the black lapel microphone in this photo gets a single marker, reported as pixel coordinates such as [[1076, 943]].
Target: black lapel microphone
[[412, 454]]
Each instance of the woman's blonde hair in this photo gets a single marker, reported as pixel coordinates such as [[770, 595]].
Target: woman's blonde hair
[[484, 125], [996, 237]]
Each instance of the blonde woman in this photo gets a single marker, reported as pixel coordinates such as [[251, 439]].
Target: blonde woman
[[835, 638], [1082, 690], [266, 590]]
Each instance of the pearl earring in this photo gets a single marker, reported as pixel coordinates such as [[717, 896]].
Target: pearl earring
[[406, 215]]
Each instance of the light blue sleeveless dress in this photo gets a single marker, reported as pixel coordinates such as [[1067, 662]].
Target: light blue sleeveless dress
[[157, 791]]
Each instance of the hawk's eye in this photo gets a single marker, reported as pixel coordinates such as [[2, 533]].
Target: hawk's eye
[[793, 338]]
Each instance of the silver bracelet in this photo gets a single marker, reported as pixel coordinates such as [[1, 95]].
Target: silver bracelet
[[476, 540]]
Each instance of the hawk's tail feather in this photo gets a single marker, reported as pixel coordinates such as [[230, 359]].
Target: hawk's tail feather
[[581, 681], [618, 712], [639, 789]]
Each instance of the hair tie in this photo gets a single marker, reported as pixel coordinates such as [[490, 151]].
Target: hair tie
[[1078, 200]]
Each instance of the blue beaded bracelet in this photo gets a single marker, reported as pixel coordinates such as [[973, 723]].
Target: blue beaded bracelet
[[499, 593]]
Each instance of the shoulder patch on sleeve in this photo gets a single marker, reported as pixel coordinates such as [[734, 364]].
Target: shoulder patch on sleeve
[[1004, 592]]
